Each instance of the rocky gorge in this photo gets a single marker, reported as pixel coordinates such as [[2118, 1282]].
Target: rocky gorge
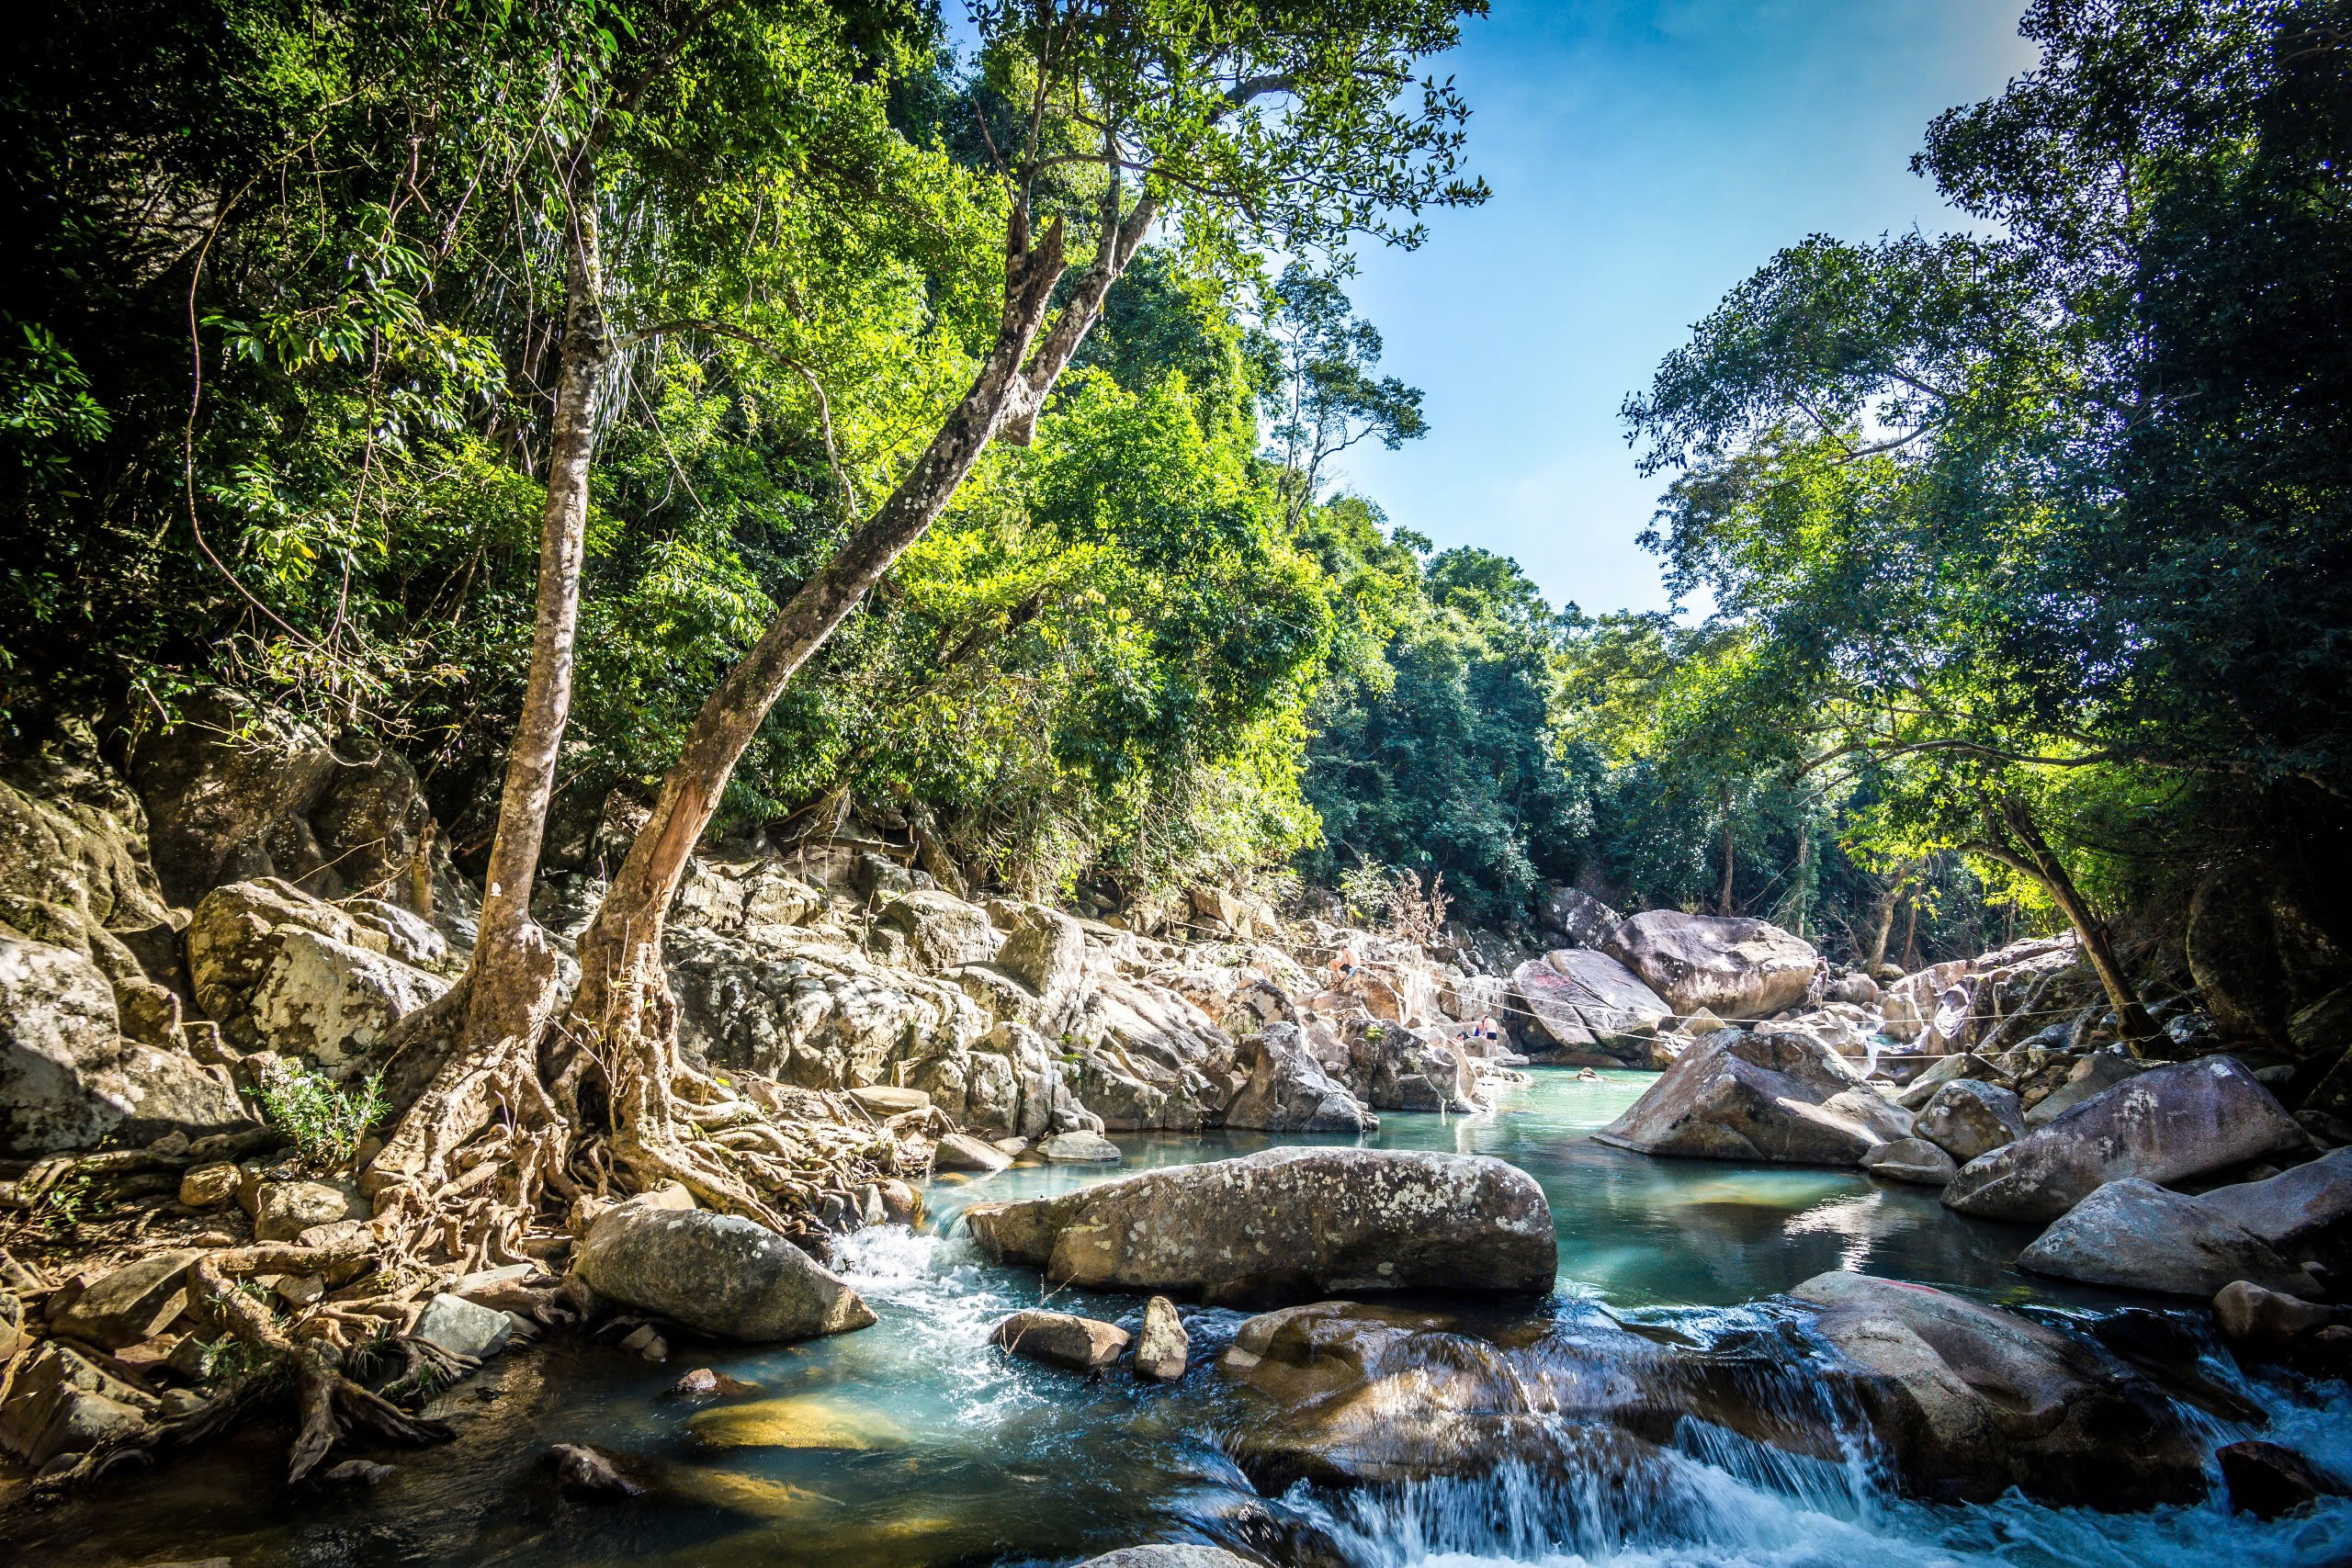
[[234, 908]]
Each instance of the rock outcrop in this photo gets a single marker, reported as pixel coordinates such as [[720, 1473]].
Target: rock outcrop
[[2296, 1207], [1736, 969], [2164, 1126], [714, 1273], [1776, 1095], [69, 1078], [1288, 1091], [1290, 1224]]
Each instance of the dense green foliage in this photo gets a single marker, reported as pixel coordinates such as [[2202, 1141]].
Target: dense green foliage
[[2041, 544]]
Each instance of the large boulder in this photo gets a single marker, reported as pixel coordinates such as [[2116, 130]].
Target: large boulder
[[1576, 916], [1585, 1001], [941, 930], [1290, 1224], [2165, 1125], [716, 1273], [2136, 1235], [60, 1401], [1971, 1401], [1735, 967], [287, 972], [1288, 1091], [2256, 951], [2088, 1079], [68, 1079], [1969, 1118], [2295, 1207], [236, 790], [1782, 1097]]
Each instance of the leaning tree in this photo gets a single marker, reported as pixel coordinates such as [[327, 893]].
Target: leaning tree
[[1237, 125]]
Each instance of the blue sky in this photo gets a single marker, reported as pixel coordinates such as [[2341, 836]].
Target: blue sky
[[1646, 155]]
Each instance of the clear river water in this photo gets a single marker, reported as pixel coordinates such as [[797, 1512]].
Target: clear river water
[[913, 1442]]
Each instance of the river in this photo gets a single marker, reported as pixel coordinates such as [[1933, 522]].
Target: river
[[913, 1442]]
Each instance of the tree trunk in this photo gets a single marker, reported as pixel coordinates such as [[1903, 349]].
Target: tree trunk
[[477, 1051], [624, 1000], [2014, 840], [1883, 918], [1724, 903]]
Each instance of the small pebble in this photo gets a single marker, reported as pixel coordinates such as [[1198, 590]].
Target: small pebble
[[355, 1473]]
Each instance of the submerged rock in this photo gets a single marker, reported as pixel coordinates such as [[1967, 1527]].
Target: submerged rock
[[2135, 1235], [1060, 1339], [1290, 1224], [1078, 1149], [1971, 1401], [2164, 1126], [1783, 1097], [590, 1471], [2266, 1481], [716, 1274], [1736, 969]]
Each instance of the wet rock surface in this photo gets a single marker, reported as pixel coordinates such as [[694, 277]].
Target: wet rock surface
[[1290, 1224], [1975, 1400]]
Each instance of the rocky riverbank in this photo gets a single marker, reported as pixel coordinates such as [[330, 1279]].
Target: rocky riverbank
[[232, 915]]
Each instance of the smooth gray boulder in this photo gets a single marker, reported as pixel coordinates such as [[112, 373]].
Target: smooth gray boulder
[[1290, 1224], [2135, 1235], [1971, 1400], [1914, 1160], [463, 1328], [1967, 1119], [1780, 1097], [2294, 1206], [1288, 1091], [2164, 1126], [716, 1273], [1739, 969]]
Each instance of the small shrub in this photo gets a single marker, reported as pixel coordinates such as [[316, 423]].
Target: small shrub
[[326, 1124]]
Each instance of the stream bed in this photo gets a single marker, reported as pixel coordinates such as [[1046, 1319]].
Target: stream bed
[[913, 1442]]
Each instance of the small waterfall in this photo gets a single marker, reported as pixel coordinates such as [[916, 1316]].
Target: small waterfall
[[1569, 1491]]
